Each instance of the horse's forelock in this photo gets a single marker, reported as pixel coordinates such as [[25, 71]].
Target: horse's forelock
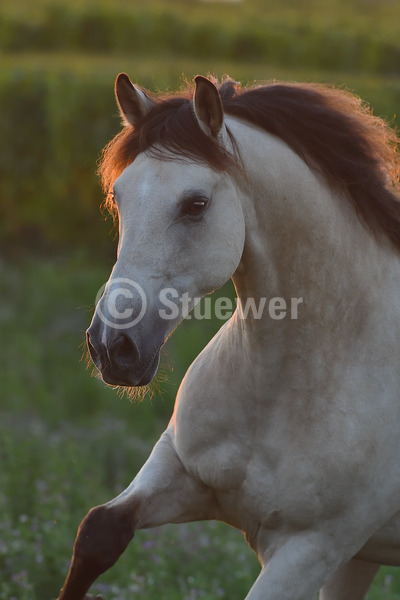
[[170, 132]]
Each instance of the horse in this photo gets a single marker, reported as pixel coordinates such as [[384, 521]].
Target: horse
[[285, 426]]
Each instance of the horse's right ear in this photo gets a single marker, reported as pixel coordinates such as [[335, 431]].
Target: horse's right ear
[[132, 102], [207, 106]]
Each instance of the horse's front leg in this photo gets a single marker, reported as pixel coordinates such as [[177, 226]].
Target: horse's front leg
[[297, 566], [350, 582], [162, 492]]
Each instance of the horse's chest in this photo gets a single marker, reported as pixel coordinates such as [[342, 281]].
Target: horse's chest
[[277, 465], [258, 481]]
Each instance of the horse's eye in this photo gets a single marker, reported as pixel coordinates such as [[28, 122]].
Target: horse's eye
[[195, 206]]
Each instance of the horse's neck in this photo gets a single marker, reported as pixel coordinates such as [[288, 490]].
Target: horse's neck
[[302, 241]]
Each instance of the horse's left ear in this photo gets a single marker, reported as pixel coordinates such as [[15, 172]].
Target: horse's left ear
[[132, 102], [207, 105]]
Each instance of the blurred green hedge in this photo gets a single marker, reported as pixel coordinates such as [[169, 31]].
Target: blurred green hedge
[[153, 29], [53, 128]]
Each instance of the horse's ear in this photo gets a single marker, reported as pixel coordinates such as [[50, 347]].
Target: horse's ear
[[207, 105], [132, 102]]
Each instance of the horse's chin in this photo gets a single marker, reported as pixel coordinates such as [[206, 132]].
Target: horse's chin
[[152, 370], [132, 378]]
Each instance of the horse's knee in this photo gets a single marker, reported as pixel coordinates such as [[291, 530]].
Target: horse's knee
[[102, 536]]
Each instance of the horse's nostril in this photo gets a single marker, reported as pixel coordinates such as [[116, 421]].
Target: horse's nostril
[[123, 352]]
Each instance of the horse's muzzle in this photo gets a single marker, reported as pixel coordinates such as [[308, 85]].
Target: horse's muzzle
[[118, 358]]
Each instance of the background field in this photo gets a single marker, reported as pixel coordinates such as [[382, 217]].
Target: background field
[[68, 442]]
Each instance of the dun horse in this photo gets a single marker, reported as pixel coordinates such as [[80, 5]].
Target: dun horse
[[286, 428]]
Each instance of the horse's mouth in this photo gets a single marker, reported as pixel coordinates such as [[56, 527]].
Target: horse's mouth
[[121, 359], [131, 377]]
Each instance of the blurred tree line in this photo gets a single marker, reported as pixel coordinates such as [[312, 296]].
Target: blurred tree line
[[54, 122]]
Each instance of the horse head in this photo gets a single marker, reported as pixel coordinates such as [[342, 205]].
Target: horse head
[[181, 230]]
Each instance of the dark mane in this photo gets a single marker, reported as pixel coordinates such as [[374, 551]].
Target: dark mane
[[329, 128]]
